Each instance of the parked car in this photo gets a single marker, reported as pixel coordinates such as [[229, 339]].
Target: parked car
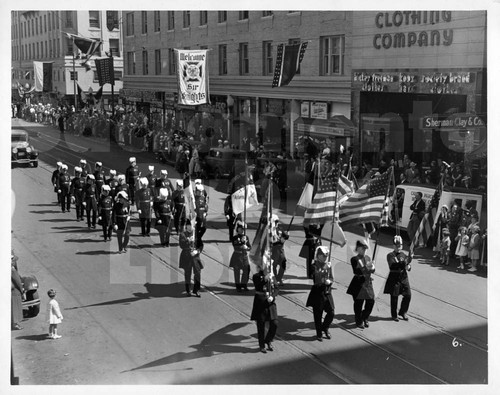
[[221, 162], [31, 299], [22, 152]]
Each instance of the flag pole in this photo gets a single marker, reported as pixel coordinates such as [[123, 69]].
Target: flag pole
[[245, 197], [335, 204], [391, 169], [74, 82]]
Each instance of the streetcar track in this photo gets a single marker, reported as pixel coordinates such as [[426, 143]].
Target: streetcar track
[[294, 301]]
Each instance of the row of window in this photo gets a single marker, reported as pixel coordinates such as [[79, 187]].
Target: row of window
[[44, 49], [18, 74], [186, 19], [331, 58], [37, 25]]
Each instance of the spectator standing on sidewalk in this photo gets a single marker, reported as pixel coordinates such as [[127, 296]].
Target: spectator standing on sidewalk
[[462, 246]]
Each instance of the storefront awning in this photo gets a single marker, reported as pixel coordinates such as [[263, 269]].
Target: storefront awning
[[337, 125]]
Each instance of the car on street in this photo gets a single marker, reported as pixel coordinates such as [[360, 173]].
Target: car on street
[[22, 151], [221, 162]]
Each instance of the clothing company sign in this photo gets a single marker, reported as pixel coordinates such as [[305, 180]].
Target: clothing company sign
[[452, 122], [413, 82], [424, 38]]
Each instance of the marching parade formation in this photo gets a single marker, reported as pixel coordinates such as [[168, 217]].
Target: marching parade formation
[[110, 201]]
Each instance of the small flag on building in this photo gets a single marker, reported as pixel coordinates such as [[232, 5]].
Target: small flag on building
[[192, 76], [87, 46], [43, 76], [287, 63], [105, 71]]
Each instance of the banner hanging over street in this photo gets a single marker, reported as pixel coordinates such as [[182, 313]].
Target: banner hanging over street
[[192, 76]]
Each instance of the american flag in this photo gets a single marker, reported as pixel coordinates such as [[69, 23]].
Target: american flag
[[366, 204], [287, 63], [323, 200], [424, 230]]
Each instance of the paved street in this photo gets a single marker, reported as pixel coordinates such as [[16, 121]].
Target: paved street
[[127, 321]]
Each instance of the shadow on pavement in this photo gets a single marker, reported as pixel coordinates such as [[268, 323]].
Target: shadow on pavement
[[46, 212], [58, 220], [220, 342], [80, 240], [35, 338]]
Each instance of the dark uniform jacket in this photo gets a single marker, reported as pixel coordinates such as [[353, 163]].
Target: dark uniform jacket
[[143, 201], [178, 198], [113, 185], [76, 189], [99, 180], [201, 203], [361, 286], [262, 309], [105, 208], [121, 211], [277, 249], [320, 292], [228, 210], [187, 244], [152, 178], [131, 175], [54, 178], [313, 240], [163, 210], [90, 196], [397, 282], [64, 183], [239, 259]]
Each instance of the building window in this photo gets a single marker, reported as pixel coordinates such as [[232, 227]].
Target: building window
[[37, 50], [36, 24], [145, 65], [69, 19], [69, 46], [144, 19], [73, 76], [130, 62], [54, 21], [57, 22], [118, 75], [267, 58], [243, 15], [157, 61], [50, 25], [244, 63], [267, 13], [45, 23], [94, 19], [51, 54], [171, 61], [46, 50], [223, 59], [186, 19], [130, 24], [58, 47], [170, 20], [114, 47], [222, 16], [332, 55], [203, 18], [156, 16]]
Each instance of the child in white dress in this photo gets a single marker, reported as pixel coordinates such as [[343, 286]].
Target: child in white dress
[[462, 246], [54, 315]]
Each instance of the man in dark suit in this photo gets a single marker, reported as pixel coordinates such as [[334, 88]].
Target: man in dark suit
[[417, 213]]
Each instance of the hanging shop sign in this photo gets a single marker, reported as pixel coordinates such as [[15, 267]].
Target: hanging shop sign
[[319, 110], [323, 130], [414, 82], [304, 109], [424, 38], [452, 122]]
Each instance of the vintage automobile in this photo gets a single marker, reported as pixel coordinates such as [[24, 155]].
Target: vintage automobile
[[221, 162], [22, 152], [31, 300]]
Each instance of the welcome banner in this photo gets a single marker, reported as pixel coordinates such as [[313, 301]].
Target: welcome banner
[[192, 76]]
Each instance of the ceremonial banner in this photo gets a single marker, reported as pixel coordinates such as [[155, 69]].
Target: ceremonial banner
[[241, 182], [192, 76], [87, 46], [43, 76], [112, 20], [287, 63], [105, 71]]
